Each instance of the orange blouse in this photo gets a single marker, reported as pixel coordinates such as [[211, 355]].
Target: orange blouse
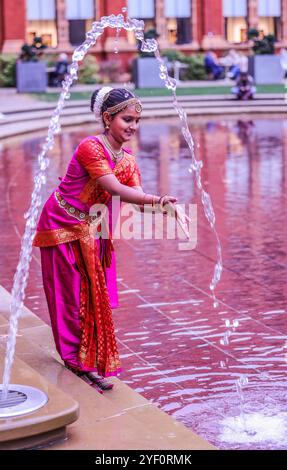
[[91, 156]]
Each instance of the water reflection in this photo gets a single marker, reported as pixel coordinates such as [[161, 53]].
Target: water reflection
[[168, 331]]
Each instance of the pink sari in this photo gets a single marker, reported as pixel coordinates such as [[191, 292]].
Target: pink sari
[[79, 271]]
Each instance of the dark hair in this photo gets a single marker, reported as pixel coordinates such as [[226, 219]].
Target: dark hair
[[115, 96]]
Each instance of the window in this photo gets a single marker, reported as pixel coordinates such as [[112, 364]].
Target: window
[[269, 13], [80, 14], [41, 21], [177, 8], [235, 18], [178, 14], [141, 9], [40, 10], [234, 8], [271, 8], [79, 9]]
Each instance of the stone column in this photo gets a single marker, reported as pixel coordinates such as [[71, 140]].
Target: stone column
[[98, 9], [213, 24], [160, 21], [62, 25], [14, 25], [252, 17], [284, 22], [195, 23]]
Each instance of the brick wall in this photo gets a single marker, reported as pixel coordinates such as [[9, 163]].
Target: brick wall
[[13, 17]]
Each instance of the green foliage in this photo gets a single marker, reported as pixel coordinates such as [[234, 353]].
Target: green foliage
[[253, 33], [265, 45], [195, 63], [195, 70], [88, 71], [110, 71], [8, 71], [172, 55], [33, 52]]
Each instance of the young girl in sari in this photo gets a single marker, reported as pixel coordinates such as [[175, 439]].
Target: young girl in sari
[[78, 268]]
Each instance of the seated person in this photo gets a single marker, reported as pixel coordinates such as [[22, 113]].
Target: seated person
[[212, 66], [232, 64], [61, 69], [244, 89]]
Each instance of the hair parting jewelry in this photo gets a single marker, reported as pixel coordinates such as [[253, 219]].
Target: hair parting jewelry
[[120, 106]]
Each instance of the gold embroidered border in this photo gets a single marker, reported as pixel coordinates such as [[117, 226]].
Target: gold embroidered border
[[54, 237]]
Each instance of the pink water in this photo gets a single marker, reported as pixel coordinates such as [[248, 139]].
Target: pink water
[[168, 331]]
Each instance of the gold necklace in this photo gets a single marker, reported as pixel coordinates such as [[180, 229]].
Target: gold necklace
[[115, 155]]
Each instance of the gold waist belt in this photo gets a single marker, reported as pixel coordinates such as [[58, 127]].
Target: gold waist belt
[[71, 210]]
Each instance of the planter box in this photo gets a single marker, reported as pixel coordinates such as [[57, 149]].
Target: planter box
[[265, 69], [145, 73], [31, 77]]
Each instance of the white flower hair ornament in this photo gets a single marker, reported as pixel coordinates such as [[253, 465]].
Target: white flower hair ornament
[[100, 99]]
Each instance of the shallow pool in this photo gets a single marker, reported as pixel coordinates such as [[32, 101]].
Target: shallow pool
[[169, 333]]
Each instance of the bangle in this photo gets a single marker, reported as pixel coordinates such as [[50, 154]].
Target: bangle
[[144, 198], [161, 201], [154, 203]]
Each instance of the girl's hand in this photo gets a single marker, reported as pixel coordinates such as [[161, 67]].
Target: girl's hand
[[167, 199], [178, 212]]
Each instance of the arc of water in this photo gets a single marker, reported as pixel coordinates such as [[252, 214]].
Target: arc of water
[[21, 276]]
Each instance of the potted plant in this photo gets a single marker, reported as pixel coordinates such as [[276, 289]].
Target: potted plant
[[31, 75], [264, 66], [145, 70]]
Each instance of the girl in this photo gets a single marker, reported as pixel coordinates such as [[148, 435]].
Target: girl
[[78, 268]]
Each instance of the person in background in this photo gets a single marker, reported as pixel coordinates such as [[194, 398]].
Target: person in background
[[61, 69], [212, 66], [283, 61], [244, 89], [232, 63]]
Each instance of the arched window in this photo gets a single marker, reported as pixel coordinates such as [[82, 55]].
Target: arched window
[[41, 21], [235, 20], [80, 14], [269, 13], [178, 14]]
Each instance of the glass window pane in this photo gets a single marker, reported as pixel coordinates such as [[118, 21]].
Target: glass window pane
[[269, 8], [86, 9], [177, 9], [77, 31], [141, 9], [234, 8], [79, 9], [40, 10], [33, 9], [47, 9], [72, 11]]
